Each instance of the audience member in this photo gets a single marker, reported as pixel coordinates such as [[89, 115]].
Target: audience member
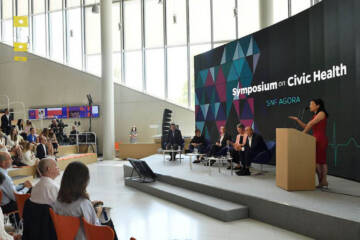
[[32, 137], [42, 149], [14, 147], [198, 142], [8, 201], [20, 125], [174, 141], [28, 156], [254, 145], [238, 151], [3, 142], [6, 122], [72, 136], [3, 234], [73, 200], [28, 127], [53, 124], [53, 140], [46, 190]]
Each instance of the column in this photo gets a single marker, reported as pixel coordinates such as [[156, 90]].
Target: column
[[266, 10], [107, 81]]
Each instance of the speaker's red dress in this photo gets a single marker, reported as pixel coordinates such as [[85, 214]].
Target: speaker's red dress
[[319, 132]]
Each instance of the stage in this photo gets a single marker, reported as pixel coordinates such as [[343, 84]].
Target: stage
[[318, 214]]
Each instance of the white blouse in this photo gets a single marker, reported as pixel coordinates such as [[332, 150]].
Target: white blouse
[[11, 143], [3, 143], [29, 158], [3, 234]]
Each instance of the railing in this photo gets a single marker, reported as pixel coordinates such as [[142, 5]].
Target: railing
[[83, 138]]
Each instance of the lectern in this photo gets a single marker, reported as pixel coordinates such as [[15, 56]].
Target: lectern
[[295, 160]]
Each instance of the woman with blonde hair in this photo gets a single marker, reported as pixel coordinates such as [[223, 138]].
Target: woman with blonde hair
[[29, 158]]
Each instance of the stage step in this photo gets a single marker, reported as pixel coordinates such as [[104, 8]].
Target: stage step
[[214, 207]]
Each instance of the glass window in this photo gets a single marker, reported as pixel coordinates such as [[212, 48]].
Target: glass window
[[154, 36], [55, 5], [299, 5], [176, 22], [74, 38], [116, 26], [73, 3], [280, 10], [7, 9], [92, 32], [39, 6], [93, 63], [199, 21], [22, 34], [224, 20], [56, 36], [248, 17], [195, 50], [132, 18], [133, 70], [8, 32], [117, 67], [177, 75], [23, 8], [155, 72], [39, 44]]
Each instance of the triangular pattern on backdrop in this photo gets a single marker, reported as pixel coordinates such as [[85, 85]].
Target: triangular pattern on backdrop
[[199, 93], [250, 60], [236, 97], [245, 42], [220, 77], [204, 109], [256, 49], [215, 96], [238, 65], [251, 105], [223, 59], [232, 76], [209, 80], [246, 82], [212, 72], [200, 125], [206, 132], [221, 115], [219, 124], [210, 114], [229, 96], [200, 116], [216, 108], [230, 50], [255, 61], [246, 112], [197, 109], [250, 49], [246, 71], [226, 69], [203, 76], [209, 93], [221, 92], [246, 122], [237, 107], [196, 100], [239, 53]]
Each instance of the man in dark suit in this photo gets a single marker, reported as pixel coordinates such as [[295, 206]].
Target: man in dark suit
[[219, 148], [174, 140], [6, 122], [253, 146], [41, 149]]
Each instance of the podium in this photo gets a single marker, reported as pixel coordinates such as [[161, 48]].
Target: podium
[[295, 160]]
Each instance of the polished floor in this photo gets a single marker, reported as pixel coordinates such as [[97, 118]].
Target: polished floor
[[136, 214]]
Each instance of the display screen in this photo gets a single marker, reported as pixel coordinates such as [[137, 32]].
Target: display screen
[[64, 112]]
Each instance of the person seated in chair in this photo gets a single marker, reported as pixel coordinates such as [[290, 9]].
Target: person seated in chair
[[174, 140], [73, 199], [8, 201], [220, 145], [198, 142], [253, 146], [32, 137], [238, 147], [41, 149]]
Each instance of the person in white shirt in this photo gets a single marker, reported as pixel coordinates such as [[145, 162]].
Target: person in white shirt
[[8, 201], [46, 190], [28, 156], [3, 140]]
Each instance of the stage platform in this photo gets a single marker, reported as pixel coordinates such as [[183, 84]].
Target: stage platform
[[317, 214]]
